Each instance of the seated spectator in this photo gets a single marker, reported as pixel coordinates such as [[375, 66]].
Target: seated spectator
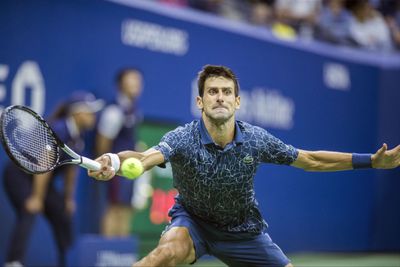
[[211, 6], [230, 9], [234, 9], [262, 13], [301, 15], [391, 12], [333, 23], [178, 3], [368, 28]]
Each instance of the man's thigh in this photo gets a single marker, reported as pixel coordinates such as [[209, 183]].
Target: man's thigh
[[180, 218], [259, 251]]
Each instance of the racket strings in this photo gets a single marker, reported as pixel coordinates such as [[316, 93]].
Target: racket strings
[[30, 141]]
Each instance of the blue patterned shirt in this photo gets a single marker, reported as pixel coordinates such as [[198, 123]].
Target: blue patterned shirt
[[216, 184]]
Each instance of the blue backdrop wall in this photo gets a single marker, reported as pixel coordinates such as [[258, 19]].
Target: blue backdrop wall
[[311, 95]]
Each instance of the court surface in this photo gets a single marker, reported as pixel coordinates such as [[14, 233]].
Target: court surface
[[328, 260]]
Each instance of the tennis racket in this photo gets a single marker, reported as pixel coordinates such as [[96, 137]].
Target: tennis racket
[[32, 145]]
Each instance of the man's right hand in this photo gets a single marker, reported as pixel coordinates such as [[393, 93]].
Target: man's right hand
[[106, 172]]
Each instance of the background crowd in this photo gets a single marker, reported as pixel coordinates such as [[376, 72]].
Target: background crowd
[[368, 24]]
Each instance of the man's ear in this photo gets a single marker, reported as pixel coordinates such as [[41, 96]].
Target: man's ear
[[237, 100], [199, 102]]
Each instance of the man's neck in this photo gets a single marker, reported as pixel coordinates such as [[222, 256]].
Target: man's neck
[[221, 133]]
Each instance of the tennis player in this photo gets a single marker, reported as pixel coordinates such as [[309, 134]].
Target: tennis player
[[214, 161]]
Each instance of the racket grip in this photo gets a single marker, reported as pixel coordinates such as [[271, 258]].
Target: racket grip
[[90, 164]]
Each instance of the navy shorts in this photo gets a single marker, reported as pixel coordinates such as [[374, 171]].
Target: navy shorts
[[236, 249]]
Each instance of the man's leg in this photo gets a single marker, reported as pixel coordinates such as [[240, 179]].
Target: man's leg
[[175, 247], [258, 251]]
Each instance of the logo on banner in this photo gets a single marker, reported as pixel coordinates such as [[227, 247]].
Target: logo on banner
[[154, 37], [261, 106], [26, 87], [267, 107], [114, 258], [336, 76]]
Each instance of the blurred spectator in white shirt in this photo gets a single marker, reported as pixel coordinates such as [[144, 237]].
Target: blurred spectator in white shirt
[[333, 23], [391, 12], [368, 28], [301, 15]]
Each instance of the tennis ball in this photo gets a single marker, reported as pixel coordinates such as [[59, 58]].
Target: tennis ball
[[131, 168]]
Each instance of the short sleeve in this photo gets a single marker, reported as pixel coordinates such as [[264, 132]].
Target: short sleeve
[[169, 144], [273, 150], [111, 121]]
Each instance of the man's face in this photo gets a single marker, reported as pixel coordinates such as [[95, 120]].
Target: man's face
[[219, 102], [131, 84]]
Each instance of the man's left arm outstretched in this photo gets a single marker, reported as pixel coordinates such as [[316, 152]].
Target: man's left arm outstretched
[[338, 161]]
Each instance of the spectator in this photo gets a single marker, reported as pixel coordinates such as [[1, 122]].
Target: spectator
[[230, 9], [33, 194], [333, 23], [368, 28], [234, 9], [211, 6], [301, 15], [391, 12], [178, 3], [262, 13], [115, 132]]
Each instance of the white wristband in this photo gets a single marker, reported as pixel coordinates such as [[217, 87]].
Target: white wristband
[[115, 161]]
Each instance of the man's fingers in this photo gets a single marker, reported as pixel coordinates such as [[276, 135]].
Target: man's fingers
[[106, 172], [105, 160], [396, 151], [382, 150]]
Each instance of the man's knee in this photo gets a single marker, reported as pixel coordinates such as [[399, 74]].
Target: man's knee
[[289, 265], [166, 251], [178, 245]]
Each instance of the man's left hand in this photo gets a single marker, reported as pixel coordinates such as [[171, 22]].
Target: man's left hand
[[386, 159]]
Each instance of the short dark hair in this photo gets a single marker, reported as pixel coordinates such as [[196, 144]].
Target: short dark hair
[[215, 71], [122, 72]]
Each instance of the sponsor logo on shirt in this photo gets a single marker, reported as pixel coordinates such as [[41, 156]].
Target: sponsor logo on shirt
[[248, 159]]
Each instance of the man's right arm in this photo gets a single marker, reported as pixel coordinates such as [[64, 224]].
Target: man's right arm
[[149, 159]]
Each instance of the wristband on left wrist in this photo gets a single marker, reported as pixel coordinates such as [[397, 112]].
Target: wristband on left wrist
[[361, 161]]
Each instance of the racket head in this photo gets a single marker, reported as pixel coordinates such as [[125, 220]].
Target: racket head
[[28, 140]]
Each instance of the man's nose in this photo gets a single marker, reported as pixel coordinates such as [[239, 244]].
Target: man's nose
[[220, 96]]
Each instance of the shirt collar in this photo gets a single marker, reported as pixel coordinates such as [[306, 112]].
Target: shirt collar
[[206, 138]]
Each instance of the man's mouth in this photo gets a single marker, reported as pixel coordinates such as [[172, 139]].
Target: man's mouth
[[219, 107]]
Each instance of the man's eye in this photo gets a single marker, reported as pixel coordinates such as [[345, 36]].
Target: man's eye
[[227, 92]]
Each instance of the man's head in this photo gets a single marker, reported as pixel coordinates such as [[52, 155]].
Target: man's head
[[209, 71], [129, 82], [218, 93]]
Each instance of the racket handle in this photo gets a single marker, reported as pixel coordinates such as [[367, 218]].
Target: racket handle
[[90, 164]]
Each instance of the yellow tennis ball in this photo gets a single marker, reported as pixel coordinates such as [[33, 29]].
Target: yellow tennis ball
[[131, 168]]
